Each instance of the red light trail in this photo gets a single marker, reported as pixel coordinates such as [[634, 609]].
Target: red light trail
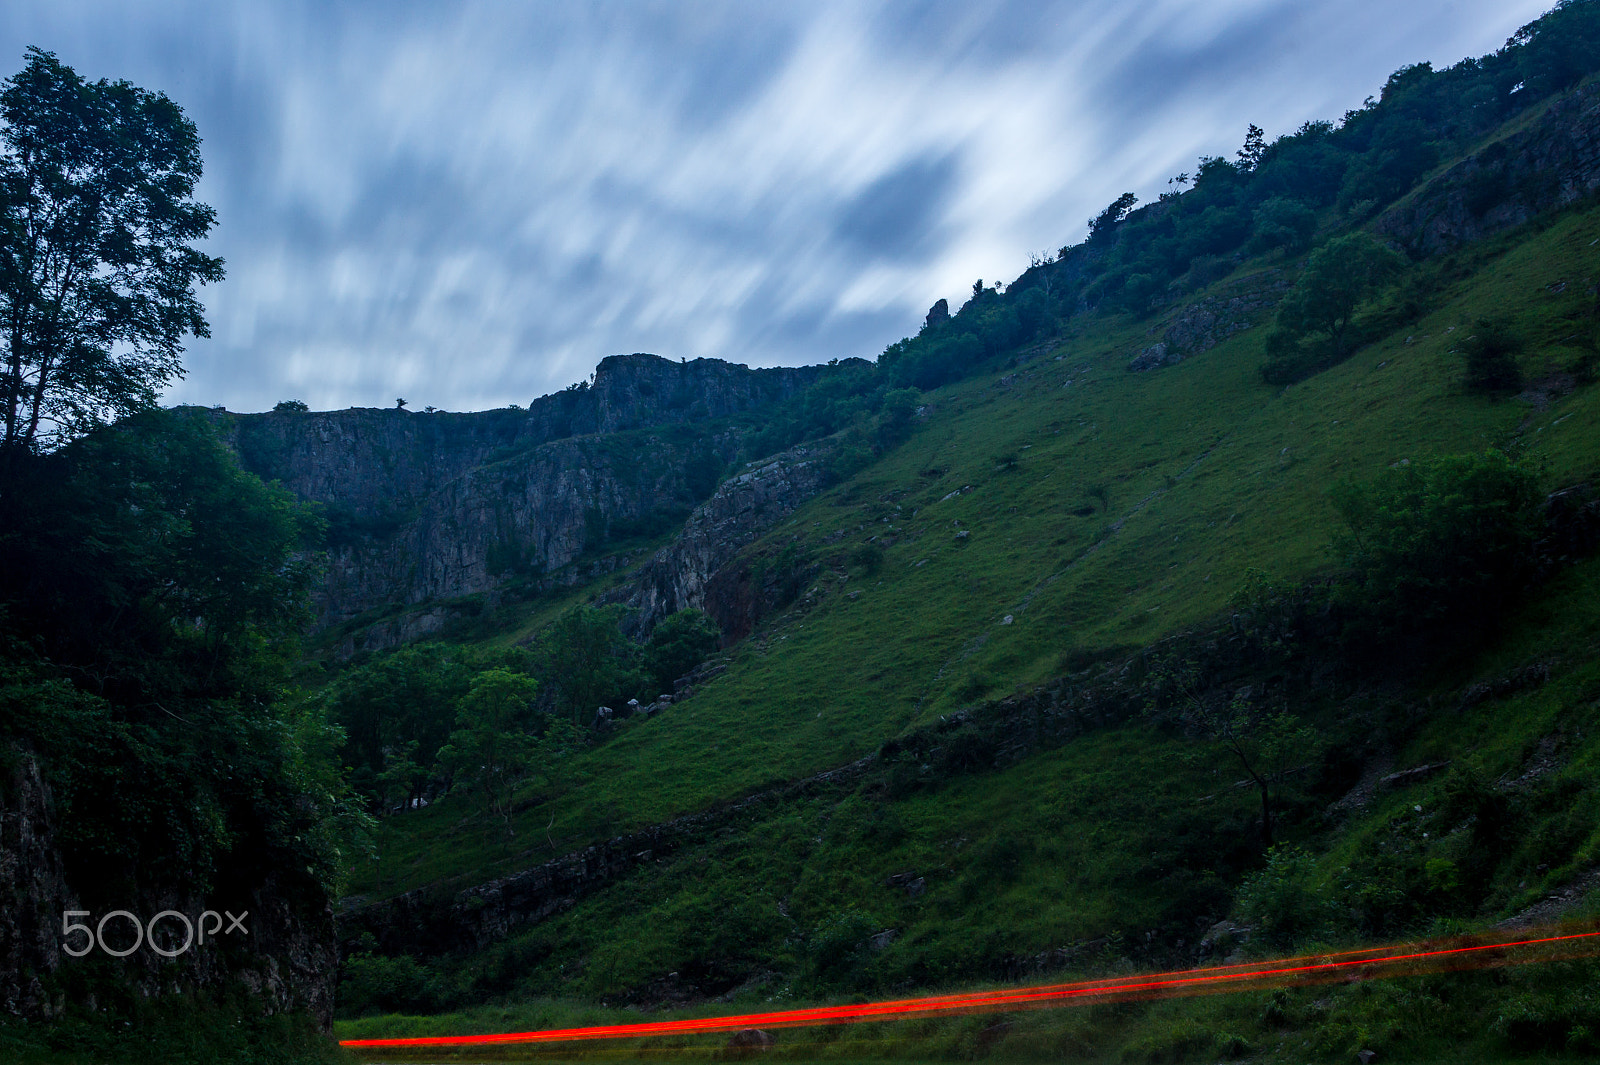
[[1373, 963]]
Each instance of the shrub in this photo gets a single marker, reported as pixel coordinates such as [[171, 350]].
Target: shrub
[[1491, 354], [1280, 902], [1443, 543]]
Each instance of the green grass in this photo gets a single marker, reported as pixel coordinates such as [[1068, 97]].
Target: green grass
[[1134, 506], [1205, 472]]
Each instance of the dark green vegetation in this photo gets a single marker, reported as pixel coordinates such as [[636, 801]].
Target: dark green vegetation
[[1287, 640], [1100, 636], [151, 598]]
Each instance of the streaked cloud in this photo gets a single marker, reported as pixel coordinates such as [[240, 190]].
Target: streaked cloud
[[470, 205]]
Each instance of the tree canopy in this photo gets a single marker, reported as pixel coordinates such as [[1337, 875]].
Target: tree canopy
[[97, 268]]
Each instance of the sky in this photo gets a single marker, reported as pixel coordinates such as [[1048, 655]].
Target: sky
[[469, 205]]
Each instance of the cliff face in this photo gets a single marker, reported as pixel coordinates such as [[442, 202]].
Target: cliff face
[[690, 571], [287, 960], [435, 506], [1553, 162]]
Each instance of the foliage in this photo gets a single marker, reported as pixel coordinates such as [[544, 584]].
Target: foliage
[[96, 264], [1104, 224], [1315, 325], [290, 406], [1281, 902], [1443, 542], [584, 662], [493, 742], [677, 644], [1491, 358], [396, 712], [1268, 743], [155, 591], [1285, 224]]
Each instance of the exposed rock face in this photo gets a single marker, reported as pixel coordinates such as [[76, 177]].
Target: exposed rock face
[[1553, 162], [939, 312], [438, 506], [742, 509], [33, 894], [1207, 322], [287, 961]]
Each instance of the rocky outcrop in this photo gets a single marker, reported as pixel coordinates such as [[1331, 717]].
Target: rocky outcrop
[[430, 507], [1552, 162], [1208, 321], [287, 961], [522, 517], [744, 507], [33, 894]]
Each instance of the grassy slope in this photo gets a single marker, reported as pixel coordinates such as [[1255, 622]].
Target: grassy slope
[[1205, 472]]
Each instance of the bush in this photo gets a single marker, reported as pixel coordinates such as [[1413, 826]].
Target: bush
[[1316, 322], [1491, 354], [1280, 902], [1444, 543]]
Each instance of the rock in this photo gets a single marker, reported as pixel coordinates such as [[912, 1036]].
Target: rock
[[1411, 776], [1208, 321], [1367, 1056], [695, 571], [939, 312], [1008, 619], [881, 940], [454, 505], [963, 534], [751, 1040], [1154, 357], [288, 962], [1550, 163]]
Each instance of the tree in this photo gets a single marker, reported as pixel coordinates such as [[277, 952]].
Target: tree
[[679, 643], [151, 593], [587, 661], [1316, 320], [1283, 223], [97, 271], [1255, 146], [491, 743], [1491, 354], [293, 406], [1445, 543], [1102, 225], [1269, 744]]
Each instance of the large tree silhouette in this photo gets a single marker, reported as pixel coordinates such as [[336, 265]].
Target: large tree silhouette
[[97, 271]]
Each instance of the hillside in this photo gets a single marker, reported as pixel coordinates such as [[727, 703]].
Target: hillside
[[942, 743], [1221, 594]]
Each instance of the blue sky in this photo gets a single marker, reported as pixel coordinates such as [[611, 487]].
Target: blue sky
[[471, 204]]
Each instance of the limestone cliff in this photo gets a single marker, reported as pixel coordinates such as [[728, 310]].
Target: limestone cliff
[[435, 506], [689, 571], [1549, 163]]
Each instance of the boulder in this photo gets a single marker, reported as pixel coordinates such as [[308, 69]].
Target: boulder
[[751, 1040]]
